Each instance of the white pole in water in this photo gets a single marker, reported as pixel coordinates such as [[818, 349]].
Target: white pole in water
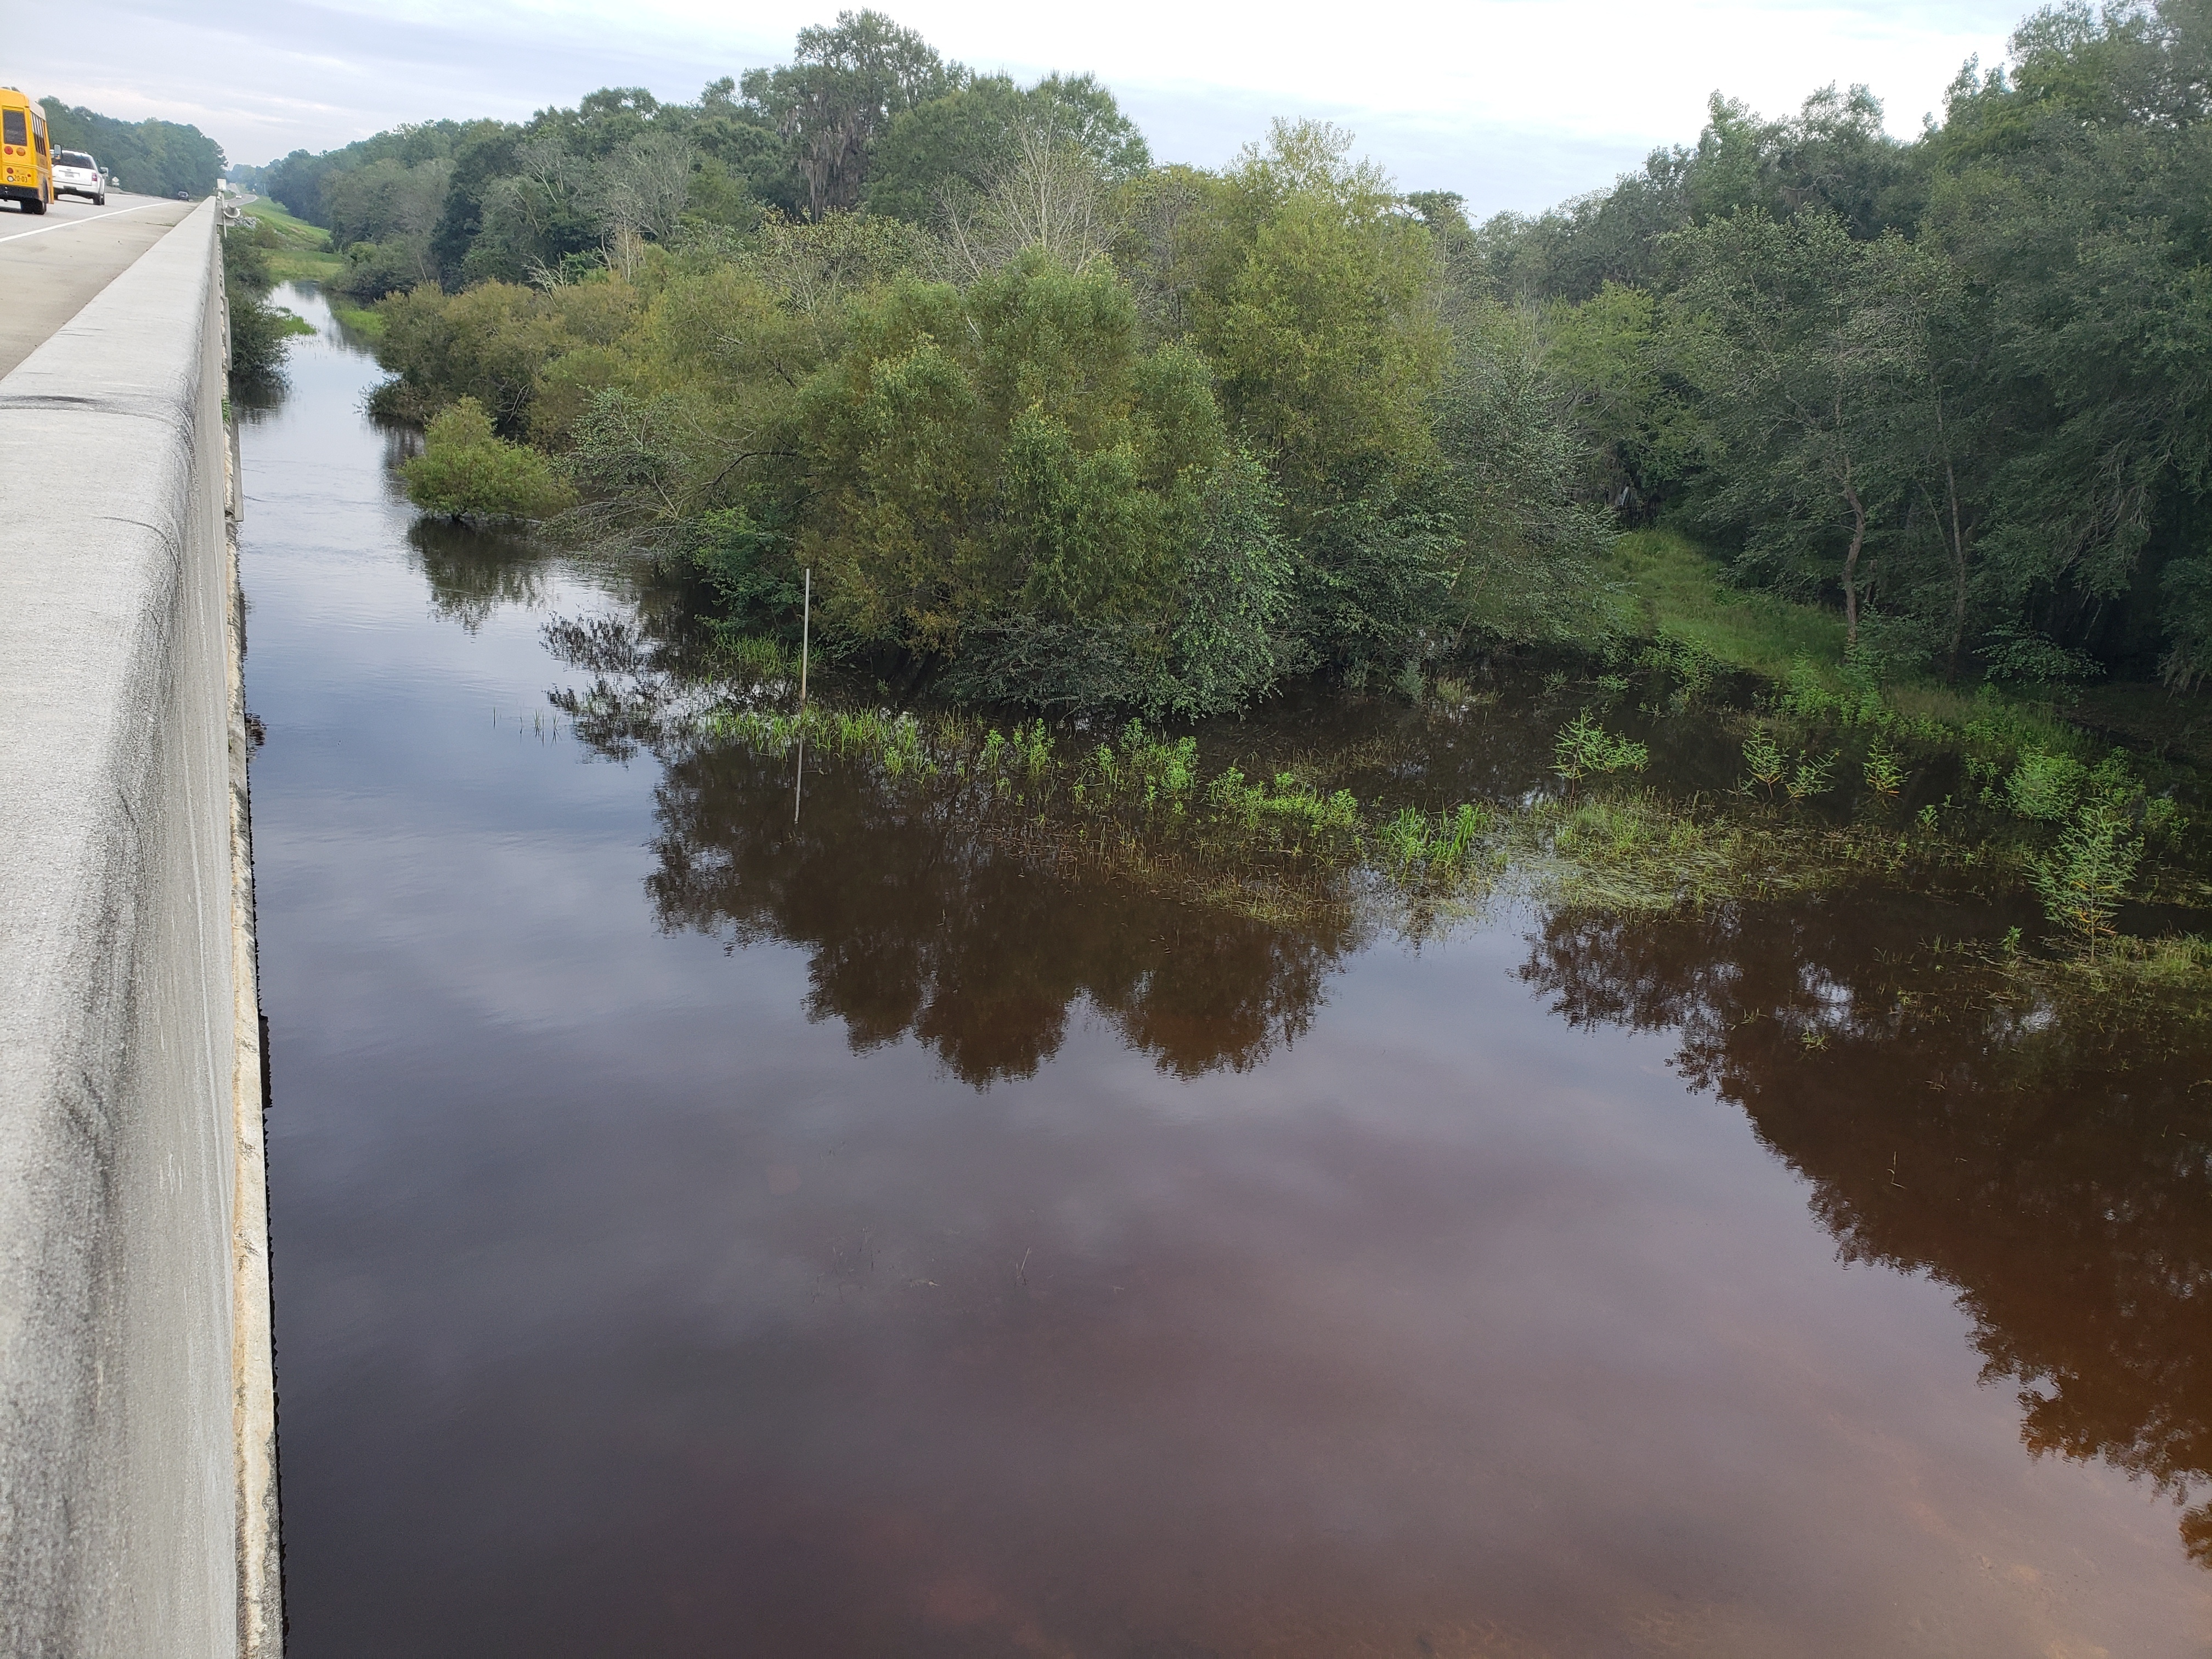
[[806, 628]]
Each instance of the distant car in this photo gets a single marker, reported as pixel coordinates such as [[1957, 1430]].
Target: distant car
[[77, 173]]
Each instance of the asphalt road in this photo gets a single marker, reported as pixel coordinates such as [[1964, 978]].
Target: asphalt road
[[51, 263]]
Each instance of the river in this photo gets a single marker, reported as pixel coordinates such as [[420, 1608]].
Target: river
[[695, 1235]]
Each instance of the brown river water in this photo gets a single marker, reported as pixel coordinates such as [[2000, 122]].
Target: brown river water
[[700, 1234]]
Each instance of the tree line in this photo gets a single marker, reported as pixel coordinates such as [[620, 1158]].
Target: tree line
[[1059, 425], [155, 157], [1954, 386]]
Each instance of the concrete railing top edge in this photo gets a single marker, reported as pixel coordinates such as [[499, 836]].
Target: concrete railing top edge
[[133, 1366], [100, 425]]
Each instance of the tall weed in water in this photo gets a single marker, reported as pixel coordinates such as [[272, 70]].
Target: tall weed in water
[[1763, 762], [1884, 772], [1142, 801], [1584, 748], [1812, 775], [2082, 880], [1146, 767], [2045, 787], [751, 656], [1412, 841], [1691, 666], [1292, 807]]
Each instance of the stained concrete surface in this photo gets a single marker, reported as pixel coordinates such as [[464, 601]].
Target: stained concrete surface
[[134, 1519], [52, 263]]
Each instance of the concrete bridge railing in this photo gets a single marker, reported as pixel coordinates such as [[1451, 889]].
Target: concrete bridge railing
[[137, 1425]]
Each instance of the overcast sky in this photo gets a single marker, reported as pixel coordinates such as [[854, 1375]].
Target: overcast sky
[[1513, 103]]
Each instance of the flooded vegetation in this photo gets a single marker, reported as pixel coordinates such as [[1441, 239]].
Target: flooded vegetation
[[1587, 1158]]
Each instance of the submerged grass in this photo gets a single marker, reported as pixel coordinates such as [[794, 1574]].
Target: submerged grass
[[1844, 782], [1143, 801]]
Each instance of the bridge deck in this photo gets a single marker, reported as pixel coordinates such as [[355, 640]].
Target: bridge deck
[[51, 265]]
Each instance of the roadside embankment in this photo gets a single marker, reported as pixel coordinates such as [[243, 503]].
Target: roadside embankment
[[137, 1431]]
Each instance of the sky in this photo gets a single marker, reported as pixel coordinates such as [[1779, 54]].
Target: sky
[[1516, 104]]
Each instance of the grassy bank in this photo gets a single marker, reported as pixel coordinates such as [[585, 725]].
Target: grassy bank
[[362, 319], [298, 251], [1674, 591]]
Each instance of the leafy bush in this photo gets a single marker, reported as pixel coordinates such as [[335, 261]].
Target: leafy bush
[[1583, 747], [1763, 762], [2026, 657], [2045, 787], [258, 329], [466, 470], [2084, 879], [1884, 772], [1812, 775]]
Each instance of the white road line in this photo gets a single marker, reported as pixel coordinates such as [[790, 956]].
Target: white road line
[[70, 224]]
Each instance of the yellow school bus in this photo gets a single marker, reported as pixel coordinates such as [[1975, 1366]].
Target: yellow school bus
[[27, 162]]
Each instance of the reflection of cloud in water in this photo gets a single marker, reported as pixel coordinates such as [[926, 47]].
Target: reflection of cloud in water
[[2050, 1164], [919, 925]]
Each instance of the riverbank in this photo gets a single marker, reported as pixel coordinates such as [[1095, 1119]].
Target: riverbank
[[1675, 591], [298, 251]]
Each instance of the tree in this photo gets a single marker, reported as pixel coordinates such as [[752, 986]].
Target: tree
[[467, 471], [1317, 300], [1638, 429], [637, 193], [1528, 559], [158, 157], [1004, 480], [2068, 193], [1797, 343], [1043, 192], [838, 94], [943, 154]]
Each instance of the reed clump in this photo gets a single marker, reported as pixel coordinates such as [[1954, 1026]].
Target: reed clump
[[1145, 802]]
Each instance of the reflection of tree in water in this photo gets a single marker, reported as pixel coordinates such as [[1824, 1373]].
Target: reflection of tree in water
[[2051, 1163], [472, 573], [919, 923]]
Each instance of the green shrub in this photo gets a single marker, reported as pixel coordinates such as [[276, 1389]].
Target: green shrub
[[258, 329], [2045, 787], [2084, 878], [1885, 772], [1812, 776], [1583, 746], [468, 472], [1763, 762]]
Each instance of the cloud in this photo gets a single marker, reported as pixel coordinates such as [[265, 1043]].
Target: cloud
[[1512, 102]]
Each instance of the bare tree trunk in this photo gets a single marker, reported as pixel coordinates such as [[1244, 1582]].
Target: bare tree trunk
[[1958, 548], [1852, 559]]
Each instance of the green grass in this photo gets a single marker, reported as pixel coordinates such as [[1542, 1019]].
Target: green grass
[[286, 265], [359, 317], [1677, 593], [298, 251], [293, 233]]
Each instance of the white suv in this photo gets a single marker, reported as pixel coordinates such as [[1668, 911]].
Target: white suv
[[77, 173]]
